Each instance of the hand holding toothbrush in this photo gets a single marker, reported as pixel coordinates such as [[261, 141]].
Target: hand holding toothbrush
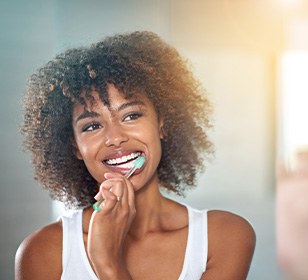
[[109, 226]]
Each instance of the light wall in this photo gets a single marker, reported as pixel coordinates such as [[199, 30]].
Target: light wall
[[233, 46]]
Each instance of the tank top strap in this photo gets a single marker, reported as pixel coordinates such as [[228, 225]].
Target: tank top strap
[[69, 231], [197, 245], [74, 258]]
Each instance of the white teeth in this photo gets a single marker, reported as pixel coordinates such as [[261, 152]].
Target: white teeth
[[122, 159]]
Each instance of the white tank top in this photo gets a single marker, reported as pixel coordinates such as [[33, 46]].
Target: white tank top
[[76, 266]]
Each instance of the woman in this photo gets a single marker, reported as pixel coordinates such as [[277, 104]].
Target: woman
[[89, 113]]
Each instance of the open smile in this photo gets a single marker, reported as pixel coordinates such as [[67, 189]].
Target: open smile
[[123, 159], [122, 163]]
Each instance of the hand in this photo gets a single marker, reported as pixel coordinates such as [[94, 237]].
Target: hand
[[108, 227]]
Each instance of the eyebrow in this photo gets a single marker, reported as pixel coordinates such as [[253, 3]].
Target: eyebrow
[[130, 104], [92, 114], [87, 114]]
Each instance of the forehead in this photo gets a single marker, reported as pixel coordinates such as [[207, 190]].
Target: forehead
[[117, 101]]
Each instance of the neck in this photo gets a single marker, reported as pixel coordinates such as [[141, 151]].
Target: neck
[[150, 205]]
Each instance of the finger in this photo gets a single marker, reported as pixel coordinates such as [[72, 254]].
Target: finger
[[118, 187], [100, 194], [130, 195], [109, 202], [115, 185], [122, 193]]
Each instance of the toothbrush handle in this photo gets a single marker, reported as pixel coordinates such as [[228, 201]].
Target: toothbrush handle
[[130, 172], [97, 204]]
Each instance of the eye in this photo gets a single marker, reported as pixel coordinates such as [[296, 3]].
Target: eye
[[90, 127], [133, 116]]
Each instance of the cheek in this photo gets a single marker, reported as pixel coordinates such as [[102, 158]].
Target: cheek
[[153, 140], [86, 146], [149, 134]]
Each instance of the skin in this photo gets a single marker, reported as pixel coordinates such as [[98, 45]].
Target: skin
[[120, 236]]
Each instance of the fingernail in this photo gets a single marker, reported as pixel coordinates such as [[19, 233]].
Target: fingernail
[[110, 175], [106, 175], [96, 196]]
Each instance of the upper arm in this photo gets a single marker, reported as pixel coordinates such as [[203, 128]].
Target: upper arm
[[39, 255], [231, 246]]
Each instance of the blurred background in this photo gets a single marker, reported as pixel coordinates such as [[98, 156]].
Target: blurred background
[[249, 54]]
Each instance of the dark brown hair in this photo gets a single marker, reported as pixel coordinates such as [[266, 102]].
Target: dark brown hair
[[139, 62]]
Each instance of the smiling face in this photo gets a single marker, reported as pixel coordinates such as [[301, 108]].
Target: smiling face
[[109, 138]]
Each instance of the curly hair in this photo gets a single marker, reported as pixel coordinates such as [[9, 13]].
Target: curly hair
[[138, 62]]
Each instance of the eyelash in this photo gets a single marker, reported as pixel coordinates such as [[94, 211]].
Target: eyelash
[[93, 125], [133, 116]]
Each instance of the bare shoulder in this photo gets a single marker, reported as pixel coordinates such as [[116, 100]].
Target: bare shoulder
[[231, 246], [39, 256], [229, 225]]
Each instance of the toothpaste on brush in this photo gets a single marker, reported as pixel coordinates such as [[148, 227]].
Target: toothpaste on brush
[[138, 163]]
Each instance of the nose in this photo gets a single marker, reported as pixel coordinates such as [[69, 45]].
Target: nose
[[115, 135]]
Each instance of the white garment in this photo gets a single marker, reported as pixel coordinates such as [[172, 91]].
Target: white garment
[[76, 266]]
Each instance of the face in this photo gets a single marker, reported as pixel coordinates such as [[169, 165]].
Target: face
[[108, 139]]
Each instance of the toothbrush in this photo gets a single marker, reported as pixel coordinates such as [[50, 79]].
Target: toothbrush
[[138, 163]]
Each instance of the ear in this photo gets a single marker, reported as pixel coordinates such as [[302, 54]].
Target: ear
[[162, 133], [76, 150]]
